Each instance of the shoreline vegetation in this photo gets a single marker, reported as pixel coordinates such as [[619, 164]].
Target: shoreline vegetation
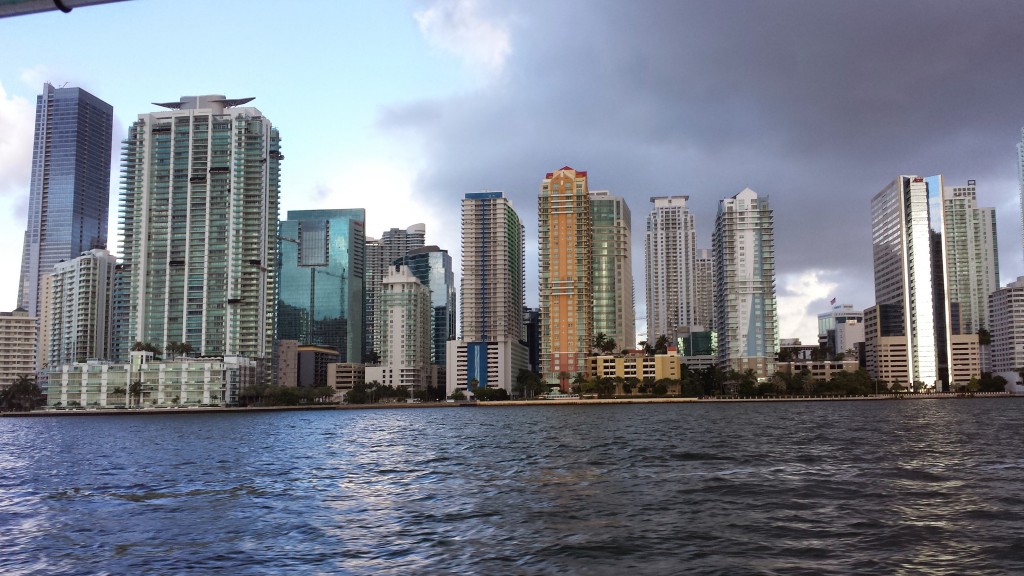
[[505, 403]]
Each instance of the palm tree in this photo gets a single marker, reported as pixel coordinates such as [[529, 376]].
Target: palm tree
[[135, 391], [563, 380], [661, 345], [600, 340], [577, 383], [609, 346], [22, 396], [523, 382], [118, 391]]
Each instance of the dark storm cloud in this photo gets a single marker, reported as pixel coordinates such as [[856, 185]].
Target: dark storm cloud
[[816, 104]]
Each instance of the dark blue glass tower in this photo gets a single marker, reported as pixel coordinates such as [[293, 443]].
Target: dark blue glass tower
[[321, 287], [69, 192]]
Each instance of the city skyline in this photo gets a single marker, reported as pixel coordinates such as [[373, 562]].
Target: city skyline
[[817, 130]]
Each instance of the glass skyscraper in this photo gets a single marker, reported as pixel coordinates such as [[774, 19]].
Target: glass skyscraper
[[614, 313], [70, 186], [199, 209], [320, 300], [920, 257], [433, 268]]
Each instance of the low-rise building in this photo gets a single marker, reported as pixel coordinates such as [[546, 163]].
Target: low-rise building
[[18, 336], [343, 376], [160, 383], [966, 357], [821, 371], [885, 348], [312, 365], [288, 363], [657, 367], [494, 364]]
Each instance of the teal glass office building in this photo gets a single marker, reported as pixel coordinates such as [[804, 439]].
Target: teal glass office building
[[321, 273]]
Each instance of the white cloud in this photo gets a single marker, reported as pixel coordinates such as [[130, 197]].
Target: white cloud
[[16, 118], [34, 77], [386, 189], [800, 301], [457, 26]]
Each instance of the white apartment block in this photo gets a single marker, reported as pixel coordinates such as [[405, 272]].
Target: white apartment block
[[492, 293], [403, 331], [746, 317], [163, 383], [670, 249], [491, 350], [79, 309], [972, 257], [1006, 318], [380, 255]]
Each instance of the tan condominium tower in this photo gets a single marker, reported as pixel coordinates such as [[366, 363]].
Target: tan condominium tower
[[565, 245]]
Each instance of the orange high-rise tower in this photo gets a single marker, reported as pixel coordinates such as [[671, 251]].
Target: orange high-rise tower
[[566, 287]]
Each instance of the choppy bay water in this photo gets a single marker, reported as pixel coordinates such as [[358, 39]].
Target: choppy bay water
[[898, 487]]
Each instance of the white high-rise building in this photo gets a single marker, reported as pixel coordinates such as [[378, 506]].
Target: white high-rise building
[[901, 231], [492, 293], [403, 331], [199, 209], [381, 254], [1006, 313], [80, 313], [612, 272], [491, 350], [746, 317], [912, 241], [670, 249], [972, 257], [1020, 179]]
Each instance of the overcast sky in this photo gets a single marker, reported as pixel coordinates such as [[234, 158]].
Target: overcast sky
[[403, 107]]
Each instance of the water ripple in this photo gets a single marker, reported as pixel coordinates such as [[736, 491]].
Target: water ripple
[[817, 488]]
